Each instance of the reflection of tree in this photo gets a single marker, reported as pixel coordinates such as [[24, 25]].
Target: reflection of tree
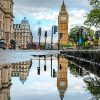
[[93, 86], [77, 71]]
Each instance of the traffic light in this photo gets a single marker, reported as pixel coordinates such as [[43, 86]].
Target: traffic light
[[81, 31], [45, 33], [97, 34], [45, 68], [39, 31], [38, 70], [55, 29]]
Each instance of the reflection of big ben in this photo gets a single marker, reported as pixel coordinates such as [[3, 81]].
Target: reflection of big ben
[[62, 82], [63, 25]]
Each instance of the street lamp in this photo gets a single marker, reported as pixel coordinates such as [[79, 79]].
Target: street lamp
[[45, 38], [39, 34], [54, 30], [38, 68]]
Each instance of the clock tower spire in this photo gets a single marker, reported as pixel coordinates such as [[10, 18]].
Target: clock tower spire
[[63, 26], [63, 5]]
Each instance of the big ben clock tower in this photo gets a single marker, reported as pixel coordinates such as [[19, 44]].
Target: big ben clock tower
[[63, 25]]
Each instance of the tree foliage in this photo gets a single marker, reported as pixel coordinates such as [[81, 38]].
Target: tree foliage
[[95, 3], [93, 18], [74, 34]]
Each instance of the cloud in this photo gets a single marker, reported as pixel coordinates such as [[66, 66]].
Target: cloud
[[52, 4], [44, 13], [76, 17]]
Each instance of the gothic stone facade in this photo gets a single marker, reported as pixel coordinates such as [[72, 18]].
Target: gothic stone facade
[[6, 20], [63, 26]]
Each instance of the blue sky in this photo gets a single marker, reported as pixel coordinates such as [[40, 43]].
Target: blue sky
[[43, 87], [44, 13]]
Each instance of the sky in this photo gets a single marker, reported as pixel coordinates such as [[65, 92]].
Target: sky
[[44, 87], [44, 13]]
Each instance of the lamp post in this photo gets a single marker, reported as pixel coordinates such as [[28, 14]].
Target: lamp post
[[38, 68], [51, 65], [45, 38], [39, 34], [45, 63], [54, 30], [52, 38]]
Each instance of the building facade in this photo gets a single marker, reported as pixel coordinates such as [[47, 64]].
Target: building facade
[[22, 34], [6, 20], [63, 26]]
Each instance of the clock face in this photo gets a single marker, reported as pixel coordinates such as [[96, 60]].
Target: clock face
[[62, 83], [63, 18]]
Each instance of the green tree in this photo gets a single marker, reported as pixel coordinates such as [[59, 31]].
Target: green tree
[[93, 18], [75, 33], [93, 86], [95, 3]]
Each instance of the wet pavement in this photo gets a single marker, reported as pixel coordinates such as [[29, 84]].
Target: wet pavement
[[11, 56], [34, 75]]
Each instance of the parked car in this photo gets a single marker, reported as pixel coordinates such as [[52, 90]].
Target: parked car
[[3, 45], [12, 44]]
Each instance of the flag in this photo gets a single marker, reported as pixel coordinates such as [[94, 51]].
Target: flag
[[80, 40], [55, 29]]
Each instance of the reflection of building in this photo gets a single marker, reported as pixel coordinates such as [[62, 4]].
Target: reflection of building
[[21, 70], [62, 82], [6, 20], [5, 82], [22, 33], [63, 25]]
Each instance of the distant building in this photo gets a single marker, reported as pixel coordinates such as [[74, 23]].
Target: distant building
[[6, 20], [22, 34]]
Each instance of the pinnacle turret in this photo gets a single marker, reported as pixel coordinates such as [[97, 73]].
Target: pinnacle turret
[[63, 5], [63, 8]]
